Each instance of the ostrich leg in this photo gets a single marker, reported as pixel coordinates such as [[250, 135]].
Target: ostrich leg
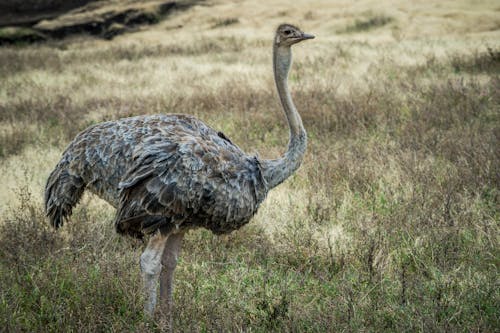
[[169, 262], [150, 268]]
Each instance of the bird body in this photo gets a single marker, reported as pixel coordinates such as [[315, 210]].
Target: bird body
[[163, 172], [166, 174]]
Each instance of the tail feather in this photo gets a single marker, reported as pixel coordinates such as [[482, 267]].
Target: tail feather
[[62, 193]]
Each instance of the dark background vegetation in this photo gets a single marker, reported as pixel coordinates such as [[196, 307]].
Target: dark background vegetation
[[21, 12]]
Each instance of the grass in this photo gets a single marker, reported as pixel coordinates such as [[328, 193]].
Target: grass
[[371, 22], [390, 225], [223, 22]]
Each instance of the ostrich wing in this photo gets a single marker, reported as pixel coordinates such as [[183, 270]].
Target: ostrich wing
[[204, 179]]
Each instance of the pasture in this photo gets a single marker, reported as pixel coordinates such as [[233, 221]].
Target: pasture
[[390, 225]]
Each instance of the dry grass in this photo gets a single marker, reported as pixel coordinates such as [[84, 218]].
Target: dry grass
[[391, 224]]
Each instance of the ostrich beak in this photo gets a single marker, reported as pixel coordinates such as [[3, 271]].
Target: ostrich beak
[[307, 36]]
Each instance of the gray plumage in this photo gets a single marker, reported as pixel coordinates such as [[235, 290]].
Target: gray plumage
[[171, 173], [160, 172]]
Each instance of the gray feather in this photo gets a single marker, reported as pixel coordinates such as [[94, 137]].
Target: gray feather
[[160, 172]]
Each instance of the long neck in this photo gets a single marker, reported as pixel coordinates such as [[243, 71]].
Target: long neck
[[276, 171]]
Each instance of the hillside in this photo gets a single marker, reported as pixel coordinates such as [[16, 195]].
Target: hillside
[[35, 21]]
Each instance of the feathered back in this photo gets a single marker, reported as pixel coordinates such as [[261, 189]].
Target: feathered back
[[195, 180]]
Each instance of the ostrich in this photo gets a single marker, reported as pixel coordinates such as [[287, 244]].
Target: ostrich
[[166, 174]]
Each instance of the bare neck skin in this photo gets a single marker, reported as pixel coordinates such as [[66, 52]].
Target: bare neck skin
[[276, 171]]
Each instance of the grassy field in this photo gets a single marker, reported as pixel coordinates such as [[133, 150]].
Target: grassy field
[[390, 225]]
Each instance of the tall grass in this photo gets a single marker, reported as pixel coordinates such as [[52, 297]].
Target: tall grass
[[390, 225]]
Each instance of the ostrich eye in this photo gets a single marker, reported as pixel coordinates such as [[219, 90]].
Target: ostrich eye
[[287, 32]]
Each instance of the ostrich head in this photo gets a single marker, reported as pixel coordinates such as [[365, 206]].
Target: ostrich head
[[287, 35]]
